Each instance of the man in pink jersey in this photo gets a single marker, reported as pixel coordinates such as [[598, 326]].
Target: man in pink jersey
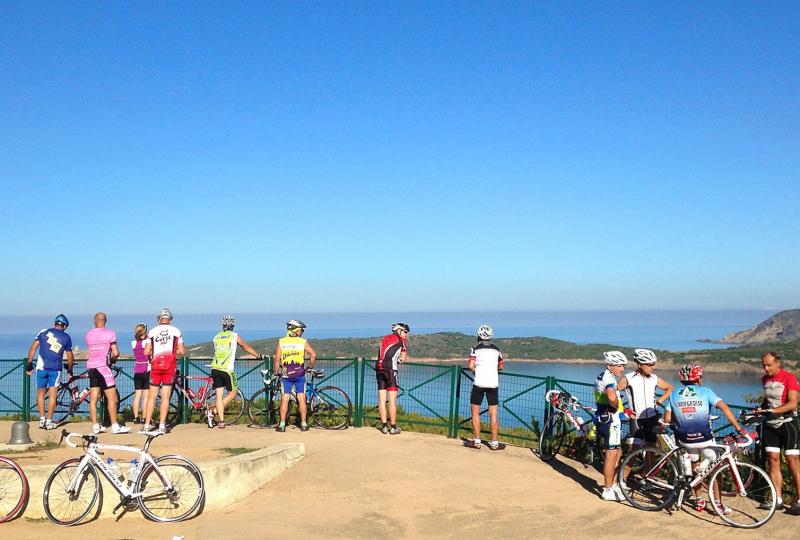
[[164, 345], [101, 344]]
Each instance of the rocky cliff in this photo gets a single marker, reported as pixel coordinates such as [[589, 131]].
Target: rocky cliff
[[783, 326]]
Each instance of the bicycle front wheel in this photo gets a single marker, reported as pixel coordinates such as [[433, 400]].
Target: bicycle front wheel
[[262, 408], [14, 490], [552, 436], [743, 505], [64, 405], [172, 491], [64, 507], [233, 411], [331, 408], [647, 482]]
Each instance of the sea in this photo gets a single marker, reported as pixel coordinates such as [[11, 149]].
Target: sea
[[677, 330]]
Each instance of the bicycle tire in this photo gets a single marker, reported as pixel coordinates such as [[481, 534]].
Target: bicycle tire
[[264, 413], [175, 409], [644, 489], [14, 489], [65, 406], [234, 410], [753, 509], [552, 436], [331, 408], [55, 496], [156, 503]]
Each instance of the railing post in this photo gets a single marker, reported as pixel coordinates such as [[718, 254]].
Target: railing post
[[185, 404], [357, 415], [360, 396], [454, 399], [26, 393]]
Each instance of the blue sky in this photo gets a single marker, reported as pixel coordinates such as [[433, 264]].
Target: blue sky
[[270, 157]]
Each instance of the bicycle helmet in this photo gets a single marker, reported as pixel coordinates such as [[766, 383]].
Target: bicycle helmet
[[61, 319], [164, 314], [295, 327], [690, 373], [400, 326], [228, 322], [485, 332], [644, 356], [615, 358]]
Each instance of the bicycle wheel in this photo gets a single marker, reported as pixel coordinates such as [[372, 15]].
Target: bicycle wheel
[[262, 408], [331, 408], [14, 490], [64, 507], [233, 411], [647, 483], [552, 436], [173, 411], [749, 508], [159, 502], [65, 405]]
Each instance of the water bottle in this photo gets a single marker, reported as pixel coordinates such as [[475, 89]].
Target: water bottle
[[83, 393], [592, 432], [580, 422], [133, 471], [114, 466], [687, 464]]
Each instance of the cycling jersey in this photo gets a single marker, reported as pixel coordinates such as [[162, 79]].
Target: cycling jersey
[[776, 390], [225, 347], [487, 358], [641, 393], [141, 364], [691, 409], [604, 381], [98, 345], [53, 343], [165, 339], [392, 346], [293, 350]]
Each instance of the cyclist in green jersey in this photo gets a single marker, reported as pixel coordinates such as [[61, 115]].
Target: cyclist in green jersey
[[226, 343]]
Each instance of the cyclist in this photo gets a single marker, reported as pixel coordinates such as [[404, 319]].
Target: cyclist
[[780, 429], [289, 362], [691, 421], [164, 345], [141, 371], [53, 345], [391, 353], [485, 361], [609, 423], [640, 386], [226, 344], [101, 344]]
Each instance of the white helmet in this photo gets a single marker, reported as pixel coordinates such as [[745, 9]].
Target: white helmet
[[164, 314], [615, 358], [401, 326], [485, 332], [228, 321], [644, 356]]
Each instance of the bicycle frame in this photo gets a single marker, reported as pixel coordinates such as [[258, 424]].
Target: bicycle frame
[[574, 404], [196, 399]]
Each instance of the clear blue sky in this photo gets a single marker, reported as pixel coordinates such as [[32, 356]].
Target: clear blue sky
[[360, 156]]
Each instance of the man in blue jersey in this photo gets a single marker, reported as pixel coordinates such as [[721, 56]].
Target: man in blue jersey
[[53, 344], [691, 410], [609, 422]]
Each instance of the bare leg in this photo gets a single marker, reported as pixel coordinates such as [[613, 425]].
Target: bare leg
[[794, 467], [774, 461], [94, 395], [40, 400], [476, 421], [137, 398], [165, 393], [610, 466], [393, 406], [284, 406], [494, 424], [51, 405], [220, 403], [111, 400], [151, 404], [381, 405], [301, 405]]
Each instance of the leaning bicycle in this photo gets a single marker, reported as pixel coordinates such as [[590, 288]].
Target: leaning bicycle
[[72, 393], [165, 488], [329, 407], [14, 489]]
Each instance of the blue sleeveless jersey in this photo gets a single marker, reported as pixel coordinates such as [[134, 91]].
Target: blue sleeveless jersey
[[691, 407]]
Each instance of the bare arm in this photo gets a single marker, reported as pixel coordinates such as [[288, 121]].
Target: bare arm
[[244, 345], [613, 399], [277, 361], [471, 364], [114, 351], [31, 352], [790, 405], [667, 388], [70, 361], [311, 354], [181, 350], [148, 348]]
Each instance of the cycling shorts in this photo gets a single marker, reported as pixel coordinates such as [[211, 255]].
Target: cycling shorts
[[162, 377], [298, 383], [101, 377], [492, 396], [47, 378], [609, 429], [696, 448], [387, 380], [224, 379], [141, 381], [784, 437], [645, 429]]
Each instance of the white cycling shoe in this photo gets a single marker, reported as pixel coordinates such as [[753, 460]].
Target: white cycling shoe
[[117, 429]]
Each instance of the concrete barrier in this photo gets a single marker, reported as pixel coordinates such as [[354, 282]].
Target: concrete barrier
[[227, 480]]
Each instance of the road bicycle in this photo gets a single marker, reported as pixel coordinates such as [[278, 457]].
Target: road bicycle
[[73, 393], [329, 407], [14, 489], [201, 399], [565, 424], [740, 493], [165, 488]]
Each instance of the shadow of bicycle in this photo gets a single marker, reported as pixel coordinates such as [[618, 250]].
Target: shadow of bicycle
[[567, 470]]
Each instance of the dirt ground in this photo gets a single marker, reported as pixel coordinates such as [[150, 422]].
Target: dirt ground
[[359, 483]]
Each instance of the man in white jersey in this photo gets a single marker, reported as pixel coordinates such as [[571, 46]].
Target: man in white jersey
[[640, 386], [164, 345], [226, 344], [485, 361]]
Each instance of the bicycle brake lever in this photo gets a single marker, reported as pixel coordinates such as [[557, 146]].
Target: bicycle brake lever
[[64, 433]]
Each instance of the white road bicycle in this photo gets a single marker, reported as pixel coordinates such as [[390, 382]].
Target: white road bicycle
[[165, 488]]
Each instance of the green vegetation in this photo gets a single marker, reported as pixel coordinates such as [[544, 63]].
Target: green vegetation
[[238, 451]]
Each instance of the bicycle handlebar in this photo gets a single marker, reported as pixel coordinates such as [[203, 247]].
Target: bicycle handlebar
[[65, 435]]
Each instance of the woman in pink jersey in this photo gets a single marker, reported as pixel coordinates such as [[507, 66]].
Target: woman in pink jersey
[[141, 370]]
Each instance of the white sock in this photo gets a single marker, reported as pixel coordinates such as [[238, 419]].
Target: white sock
[[477, 441]]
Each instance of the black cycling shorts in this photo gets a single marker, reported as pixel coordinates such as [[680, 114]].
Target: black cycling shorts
[[387, 380], [785, 437], [646, 429], [97, 379], [223, 379], [141, 381], [492, 396]]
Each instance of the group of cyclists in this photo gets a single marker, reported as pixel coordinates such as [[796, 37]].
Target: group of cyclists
[[687, 410]]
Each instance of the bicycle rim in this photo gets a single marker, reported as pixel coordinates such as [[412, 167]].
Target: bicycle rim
[[331, 408], [644, 485], [552, 437], [234, 410], [160, 503], [749, 510], [13, 489], [63, 508], [64, 406], [262, 408]]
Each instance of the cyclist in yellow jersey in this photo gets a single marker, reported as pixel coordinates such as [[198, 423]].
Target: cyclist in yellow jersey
[[226, 344], [289, 363]]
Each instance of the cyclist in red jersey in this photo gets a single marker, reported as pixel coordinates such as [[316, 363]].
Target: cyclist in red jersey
[[392, 352], [781, 430]]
